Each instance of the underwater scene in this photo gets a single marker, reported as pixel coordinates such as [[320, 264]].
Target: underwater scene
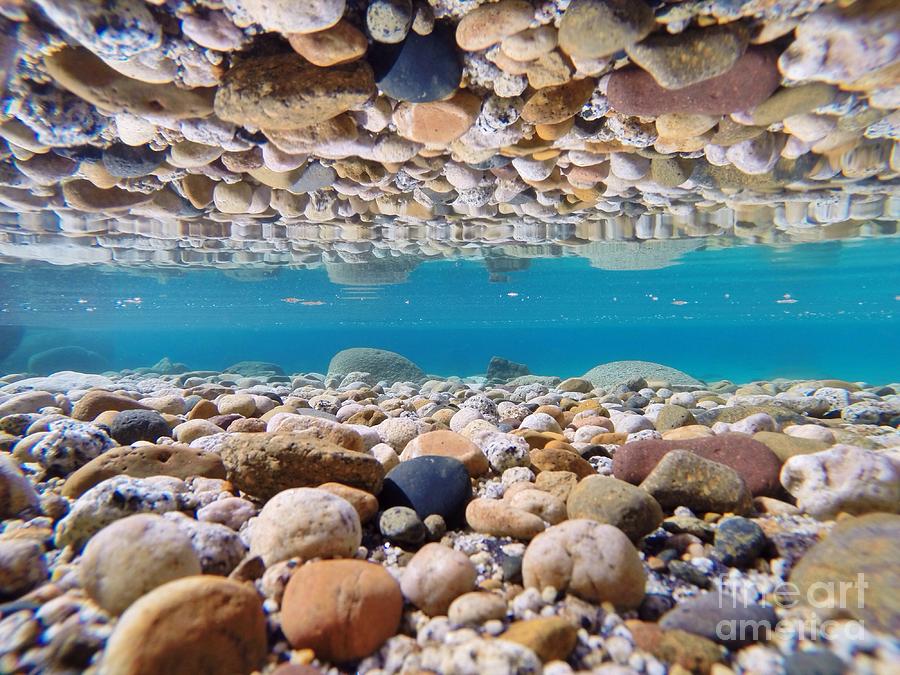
[[450, 337]]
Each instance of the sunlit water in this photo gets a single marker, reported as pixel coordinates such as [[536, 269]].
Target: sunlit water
[[740, 313]]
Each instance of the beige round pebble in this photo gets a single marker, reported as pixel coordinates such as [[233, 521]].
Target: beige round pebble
[[435, 577], [473, 609]]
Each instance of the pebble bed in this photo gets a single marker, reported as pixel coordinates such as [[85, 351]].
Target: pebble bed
[[378, 519], [252, 132]]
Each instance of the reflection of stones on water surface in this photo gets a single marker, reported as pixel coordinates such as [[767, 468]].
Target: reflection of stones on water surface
[[372, 272], [633, 255]]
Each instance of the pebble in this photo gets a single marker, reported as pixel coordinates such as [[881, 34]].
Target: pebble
[[444, 443], [719, 617], [22, 567], [739, 541], [552, 105], [158, 633], [488, 24], [428, 485], [476, 608], [125, 161], [551, 638], [131, 557], [316, 613], [594, 29], [389, 21], [305, 523], [402, 526], [16, 493], [283, 16], [342, 43], [130, 426], [438, 123], [614, 502], [435, 577], [422, 68], [566, 556], [502, 519]]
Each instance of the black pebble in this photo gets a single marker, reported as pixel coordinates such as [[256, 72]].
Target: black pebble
[[125, 161], [818, 662], [429, 485], [739, 541], [130, 426]]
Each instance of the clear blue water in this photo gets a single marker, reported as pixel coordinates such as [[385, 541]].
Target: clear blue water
[[740, 313]]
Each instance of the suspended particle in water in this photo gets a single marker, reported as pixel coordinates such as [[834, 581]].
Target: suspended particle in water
[[654, 298], [679, 302], [727, 296], [82, 301], [406, 302], [786, 299], [512, 294]]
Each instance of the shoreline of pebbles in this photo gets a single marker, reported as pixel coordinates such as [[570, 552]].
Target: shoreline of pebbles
[[375, 519]]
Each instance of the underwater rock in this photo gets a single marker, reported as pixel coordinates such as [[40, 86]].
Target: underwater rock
[[382, 364], [67, 358], [500, 369], [607, 375]]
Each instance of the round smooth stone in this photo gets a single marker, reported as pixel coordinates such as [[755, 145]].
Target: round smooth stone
[[125, 161], [421, 68], [429, 485]]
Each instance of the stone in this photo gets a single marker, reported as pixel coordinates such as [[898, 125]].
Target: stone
[[124, 161], [814, 662], [672, 417], [857, 549], [342, 43], [218, 547], [420, 69], [593, 29], [17, 494], [787, 102], [615, 502], [97, 401], [549, 507], [428, 485], [843, 478], [501, 519], [752, 80], [29, 402], [595, 562], [753, 461], [22, 567], [785, 446], [473, 609], [529, 44], [365, 503], [437, 123], [682, 478], [305, 523], [692, 652], [552, 105], [190, 431], [729, 620], [231, 512], [435, 577], [130, 426], [283, 92], [576, 384], [488, 24], [444, 443], [552, 638], [402, 526], [132, 556], [343, 610], [557, 459], [380, 363], [143, 461], [69, 445], [301, 461], [317, 427], [389, 21], [558, 483], [739, 541], [692, 56], [503, 451], [158, 633], [283, 16], [608, 375]]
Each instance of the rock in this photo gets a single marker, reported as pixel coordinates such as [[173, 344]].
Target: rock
[[67, 358], [317, 427], [593, 29], [382, 364], [753, 461], [473, 609], [29, 402], [672, 417], [342, 43], [22, 567], [843, 478], [341, 609], [125, 161], [692, 652], [142, 462], [218, 547], [547, 506], [190, 431], [69, 445], [501, 519], [17, 494], [366, 504], [592, 561], [558, 483], [283, 16], [231, 512], [440, 122], [785, 446], [552, 638], [791, 101], [862, 549], [132, 556], [445, 443], [251, 460], [402, 526], [397, 432], [422, 68], [552, 105], [306, 523], [130, 426], [478, 655], [435, 576], [814, 662], [748, 83], [557, 459], [739, 541], [608, 375], [389, 21], [428, 485], [503, 451], [692, 56], [615, 502], [726, 619], [683, 478], [158, 633], [116, 498], [236, 404], [576, 384], [97, 401], [283, 92], [487, 25]]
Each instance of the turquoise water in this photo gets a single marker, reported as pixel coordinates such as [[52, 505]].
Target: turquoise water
[[720, 312]]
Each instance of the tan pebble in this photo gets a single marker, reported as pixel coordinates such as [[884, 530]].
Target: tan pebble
[[204, 409], [530, 44], [187, 154], [552, 132], [448, 444], [680, 125], [549, 70], [541, 503], [500, 519], [280, 180], [557, 104], [233, 198], [85, 196], [435, 576], [488, 24], [473, 609], [365, 503], [552, 638], [186, 432], [509, 65], [439, 122], [342, 43]]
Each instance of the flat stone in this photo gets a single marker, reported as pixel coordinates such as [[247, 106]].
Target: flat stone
[[265, 464], [316, 613], [726, 619], [790, 101], [85, 196], [692, 56], [785, 446], [552, 638], [554, 459], [316, 427], [552, 105], [473, 609], [683, 478], [125, 161], [284, 92], [673, 416], [739, 541], [445, 443], [22, 567], [97, 401], [420, 69], [158, 633], [438, 122], [615, 502], [429, 485], [593, 29], [692, 652], [748, 83], [753, 461], [342, 43], [285, 16], [130, 426], [500, 519], [488, 24], [17, 494]]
